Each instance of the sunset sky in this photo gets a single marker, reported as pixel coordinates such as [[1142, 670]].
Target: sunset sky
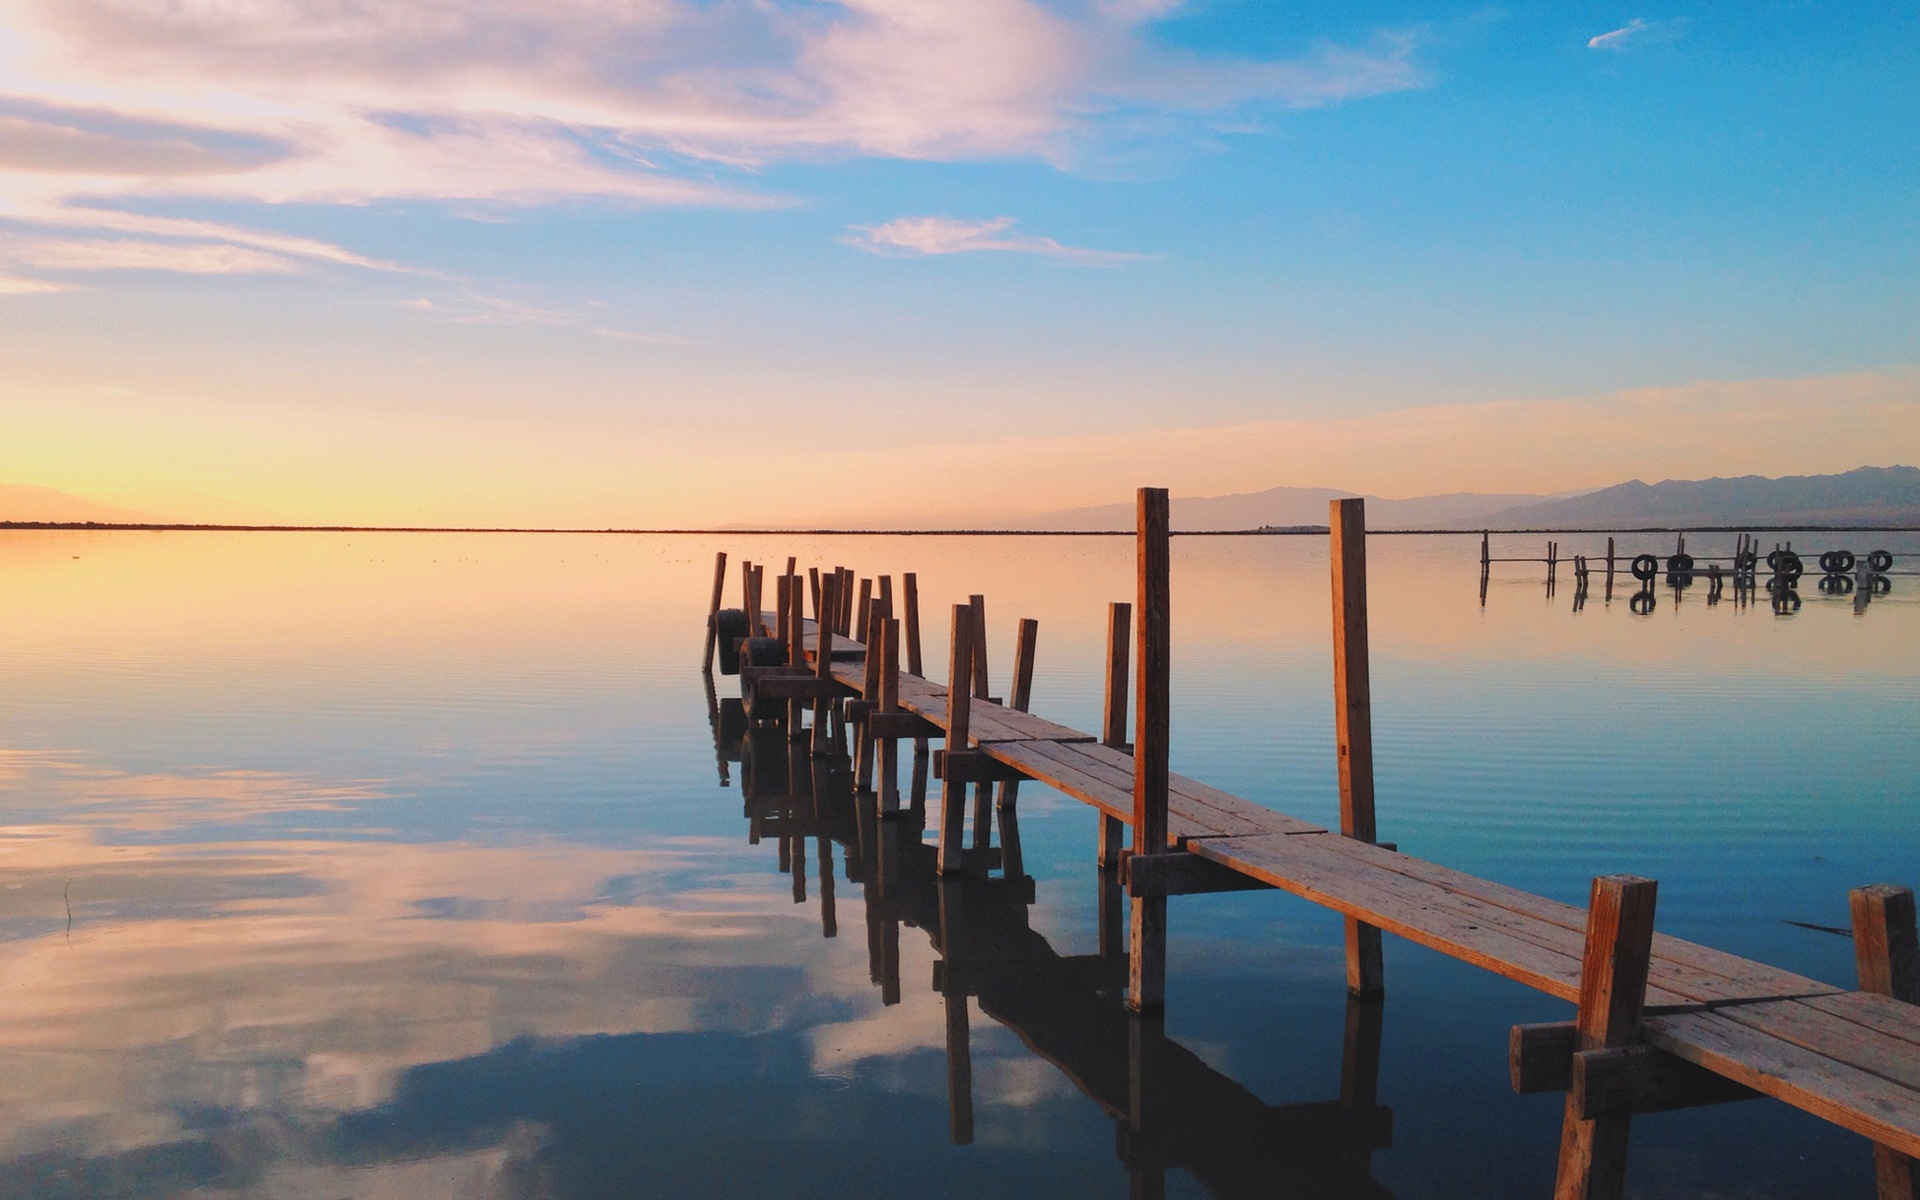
[[673, 262]]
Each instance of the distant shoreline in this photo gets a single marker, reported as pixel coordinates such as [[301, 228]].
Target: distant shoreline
[[1288, 531]]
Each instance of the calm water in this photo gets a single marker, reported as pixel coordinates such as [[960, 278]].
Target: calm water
[[357, 865]]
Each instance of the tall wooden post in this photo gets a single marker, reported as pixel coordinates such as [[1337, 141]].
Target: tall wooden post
[[782, 606], [813, 580], [1146, 990], [1018, 698], [889, 703], [982, 688], [1887, 950], [1353, 719], [982, 793], [1113, 726], [1609, 568], [953, 792], [1613, 992], [713, 609], [864, 612], [910, 589], [823, 665]]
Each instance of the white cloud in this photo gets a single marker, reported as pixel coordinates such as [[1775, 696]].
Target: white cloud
[[1637, 30], [109, 106], [915, 236], [127, 254]]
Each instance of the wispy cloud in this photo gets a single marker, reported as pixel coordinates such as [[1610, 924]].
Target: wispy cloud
[[918, 236], [128, 254], [1637, 30], [111, 105]]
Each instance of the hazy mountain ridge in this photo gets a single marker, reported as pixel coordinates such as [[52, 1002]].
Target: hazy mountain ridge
[[1864, 496], [1284, 506], [25, 502]]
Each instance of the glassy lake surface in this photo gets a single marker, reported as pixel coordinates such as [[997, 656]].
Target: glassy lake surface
[[402, 865]]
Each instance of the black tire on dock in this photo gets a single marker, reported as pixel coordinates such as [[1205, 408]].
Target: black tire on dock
[[729, 626], [1680, 564], [1746, 561], [763, 652], [1645, 567], [1788, 565], [1879, 562], [1843, 561]]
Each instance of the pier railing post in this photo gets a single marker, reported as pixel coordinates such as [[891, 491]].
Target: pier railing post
[[1613, 992], [953, 789], [910, 589], [823, 666], [1148, 967], [1018, 697], [1353, 718], [713, 609], [1113, 726], [1887, 950]]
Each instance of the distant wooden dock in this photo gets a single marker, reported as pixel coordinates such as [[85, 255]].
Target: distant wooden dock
[[1660, 1023]]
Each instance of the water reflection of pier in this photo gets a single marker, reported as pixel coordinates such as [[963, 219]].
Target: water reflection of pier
[[1171, 1110]]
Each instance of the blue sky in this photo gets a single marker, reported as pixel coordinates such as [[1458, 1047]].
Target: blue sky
[[549, 261]]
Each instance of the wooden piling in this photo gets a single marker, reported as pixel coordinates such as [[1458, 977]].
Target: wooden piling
[[1018, 698], [782, 604], [982, 686], [823, 664], [813, 577], [1887, 951], [1146, 990], [1609, 568], [953, 791], [863, 613], [713, 609], [889, 797], [1353, 718], [1613, 987], [910, 590], [1113, 726]]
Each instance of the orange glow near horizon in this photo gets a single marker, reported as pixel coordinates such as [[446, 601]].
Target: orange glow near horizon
[[312, 465]]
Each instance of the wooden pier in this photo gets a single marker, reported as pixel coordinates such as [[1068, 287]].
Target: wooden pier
[[1659, 1023]]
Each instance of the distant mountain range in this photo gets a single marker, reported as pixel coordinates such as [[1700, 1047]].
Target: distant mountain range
[[1877, 496], [1867, 496], [22, 502], [1282, 507]]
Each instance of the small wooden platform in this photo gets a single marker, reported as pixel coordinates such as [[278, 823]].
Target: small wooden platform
[[1849, 1057]]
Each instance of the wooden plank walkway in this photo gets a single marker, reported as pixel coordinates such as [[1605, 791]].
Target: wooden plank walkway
[[1849, 1057]]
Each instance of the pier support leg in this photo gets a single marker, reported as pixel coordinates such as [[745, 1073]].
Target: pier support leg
[[953, 792], [1887, 950], [1613, 990], [1113, 726], [713, 609], [1147, 976], [1353, 719]]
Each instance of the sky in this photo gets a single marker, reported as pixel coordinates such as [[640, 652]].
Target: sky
[[671, 262]]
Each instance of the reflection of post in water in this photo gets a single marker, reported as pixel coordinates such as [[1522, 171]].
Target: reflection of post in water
[[829, 921], [728, 720], [1171, 1109], [954, 998]]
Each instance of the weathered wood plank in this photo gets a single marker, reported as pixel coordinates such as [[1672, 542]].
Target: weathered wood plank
[[1837, 1092]]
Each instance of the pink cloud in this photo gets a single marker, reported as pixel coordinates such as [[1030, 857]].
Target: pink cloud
[[915, 236]]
